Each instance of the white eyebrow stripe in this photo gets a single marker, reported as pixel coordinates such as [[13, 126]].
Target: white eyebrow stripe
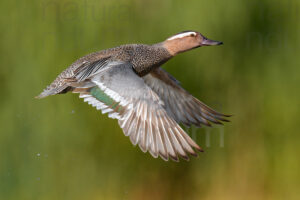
[[181, 35]]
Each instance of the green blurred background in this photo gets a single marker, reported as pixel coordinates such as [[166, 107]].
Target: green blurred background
[[62, 148]]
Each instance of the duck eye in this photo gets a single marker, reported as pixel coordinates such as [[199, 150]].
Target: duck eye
[[193, 35]]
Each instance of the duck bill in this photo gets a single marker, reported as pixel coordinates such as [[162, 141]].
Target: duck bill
[[208, 42]]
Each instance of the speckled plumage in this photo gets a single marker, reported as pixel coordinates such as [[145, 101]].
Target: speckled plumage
[[127, 83]]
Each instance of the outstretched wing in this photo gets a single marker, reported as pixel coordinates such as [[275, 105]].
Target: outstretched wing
[[121, 93], [179, 104]]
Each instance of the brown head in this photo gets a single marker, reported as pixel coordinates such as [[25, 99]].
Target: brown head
[[187, 40]]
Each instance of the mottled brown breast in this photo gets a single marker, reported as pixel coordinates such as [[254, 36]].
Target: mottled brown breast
[[148, 57]]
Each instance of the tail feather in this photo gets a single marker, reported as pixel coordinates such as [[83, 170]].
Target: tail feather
[[53, 90]]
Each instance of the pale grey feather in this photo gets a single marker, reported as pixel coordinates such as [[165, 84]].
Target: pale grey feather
[[179, 104], [144, 118]]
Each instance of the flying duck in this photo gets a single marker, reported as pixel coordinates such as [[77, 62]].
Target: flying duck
[[128, 83]]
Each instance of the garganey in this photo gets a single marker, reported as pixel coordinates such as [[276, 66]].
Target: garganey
[[128, 83]]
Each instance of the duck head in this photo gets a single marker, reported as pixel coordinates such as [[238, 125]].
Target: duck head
[[187, 40]]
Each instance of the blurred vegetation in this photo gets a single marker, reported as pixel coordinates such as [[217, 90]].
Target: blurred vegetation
[[62, 148]]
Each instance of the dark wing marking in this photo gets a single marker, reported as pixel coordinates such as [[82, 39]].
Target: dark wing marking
[[87, 70]]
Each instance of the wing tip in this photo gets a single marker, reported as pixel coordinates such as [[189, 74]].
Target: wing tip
[[174, 158], [227, 115]]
